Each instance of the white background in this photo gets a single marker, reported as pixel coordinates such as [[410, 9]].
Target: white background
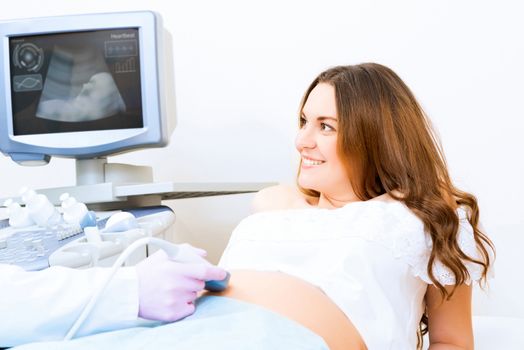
[[241, 68]]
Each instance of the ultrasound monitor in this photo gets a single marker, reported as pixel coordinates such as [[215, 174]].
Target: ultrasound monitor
[[86, 87], [83, 86]]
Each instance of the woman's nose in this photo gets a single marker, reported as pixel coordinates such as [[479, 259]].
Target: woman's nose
[[305, 139]]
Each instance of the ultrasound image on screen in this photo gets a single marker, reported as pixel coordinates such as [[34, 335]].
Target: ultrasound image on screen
[[78, 81]]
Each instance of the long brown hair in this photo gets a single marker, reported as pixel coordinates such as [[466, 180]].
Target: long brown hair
[[389, 146]]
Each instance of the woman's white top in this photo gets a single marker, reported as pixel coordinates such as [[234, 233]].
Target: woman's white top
[[369, 257]]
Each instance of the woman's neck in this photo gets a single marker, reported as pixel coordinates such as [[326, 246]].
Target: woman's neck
[[333, 202]]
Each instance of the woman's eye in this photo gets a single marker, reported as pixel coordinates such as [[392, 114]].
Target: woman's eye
[[326, 127], [303, 121]]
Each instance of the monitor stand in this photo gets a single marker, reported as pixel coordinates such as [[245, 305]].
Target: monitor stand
[[108, 186]]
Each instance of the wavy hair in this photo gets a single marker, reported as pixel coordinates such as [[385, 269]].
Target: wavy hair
[[389, 146]]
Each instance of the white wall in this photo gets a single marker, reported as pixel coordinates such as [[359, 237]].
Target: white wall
[[241, 68]]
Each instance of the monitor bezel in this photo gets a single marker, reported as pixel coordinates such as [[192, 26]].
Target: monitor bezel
[[89, 144]]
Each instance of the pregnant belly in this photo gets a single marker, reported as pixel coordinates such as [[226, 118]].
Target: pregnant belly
[[297, 300]]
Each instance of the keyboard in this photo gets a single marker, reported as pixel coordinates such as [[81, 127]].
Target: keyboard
[[31, 247]]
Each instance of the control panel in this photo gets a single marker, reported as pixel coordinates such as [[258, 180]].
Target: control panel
[[36, 248]]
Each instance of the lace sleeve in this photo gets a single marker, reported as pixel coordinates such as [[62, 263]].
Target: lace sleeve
[[467, 244]]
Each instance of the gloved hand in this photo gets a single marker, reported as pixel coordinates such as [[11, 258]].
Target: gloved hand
[[167, 289]]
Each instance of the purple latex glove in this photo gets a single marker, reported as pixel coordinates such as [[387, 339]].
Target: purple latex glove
[[167, 288]]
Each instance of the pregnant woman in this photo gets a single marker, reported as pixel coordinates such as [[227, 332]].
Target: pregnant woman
[[375, 245]]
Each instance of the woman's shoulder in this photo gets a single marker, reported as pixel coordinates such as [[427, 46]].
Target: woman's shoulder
[[279, 197]]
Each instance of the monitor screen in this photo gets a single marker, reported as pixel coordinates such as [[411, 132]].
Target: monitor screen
[[84, 86], [77, 81]]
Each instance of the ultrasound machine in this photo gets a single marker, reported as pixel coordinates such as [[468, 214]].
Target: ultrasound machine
[[85, 87]]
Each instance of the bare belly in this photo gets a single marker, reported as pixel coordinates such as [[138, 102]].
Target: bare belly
[[297, 300]]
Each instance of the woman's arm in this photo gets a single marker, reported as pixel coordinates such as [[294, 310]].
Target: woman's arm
[[449, 321]]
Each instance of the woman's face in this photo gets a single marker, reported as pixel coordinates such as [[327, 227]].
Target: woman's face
[[321, 168]]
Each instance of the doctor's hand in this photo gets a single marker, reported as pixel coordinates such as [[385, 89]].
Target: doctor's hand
[[167, 289]]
